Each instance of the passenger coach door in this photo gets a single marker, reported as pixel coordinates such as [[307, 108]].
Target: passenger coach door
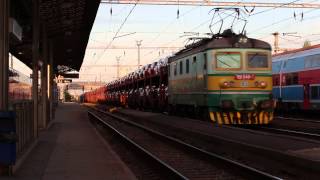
[[306, 96]]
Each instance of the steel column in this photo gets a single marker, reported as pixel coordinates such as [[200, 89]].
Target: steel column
[[35, 61], [44, 78], [4, 53], [50, 80]]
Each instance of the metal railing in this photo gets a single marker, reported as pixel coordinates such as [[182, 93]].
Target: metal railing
[[24, 124]]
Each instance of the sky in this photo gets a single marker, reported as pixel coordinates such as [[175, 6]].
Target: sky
[[163, 33]]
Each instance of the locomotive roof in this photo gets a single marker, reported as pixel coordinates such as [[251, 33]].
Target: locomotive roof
[[219, 42]]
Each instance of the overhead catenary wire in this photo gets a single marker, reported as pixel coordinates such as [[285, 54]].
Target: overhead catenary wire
[[281, 21], [116, 34], [251, 15]]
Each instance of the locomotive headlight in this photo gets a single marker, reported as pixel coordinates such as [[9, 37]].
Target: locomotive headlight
[[243, 40], [261, 84], [227, 84]]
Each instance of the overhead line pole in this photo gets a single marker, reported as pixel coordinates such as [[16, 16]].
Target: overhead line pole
[[139, 45], [213, 3], [118, 66]]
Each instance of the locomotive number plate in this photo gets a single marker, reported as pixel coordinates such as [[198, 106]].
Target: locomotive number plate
[[244, 84]]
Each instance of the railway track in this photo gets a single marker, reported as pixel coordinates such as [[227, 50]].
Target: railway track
[[178, 159], [298, 119], [291, 132]]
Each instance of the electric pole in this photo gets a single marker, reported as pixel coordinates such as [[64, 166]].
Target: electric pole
[[118, 66], [139, 44], [276, 42]]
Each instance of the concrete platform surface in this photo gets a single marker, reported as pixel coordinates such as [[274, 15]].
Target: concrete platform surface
[[72, 149]]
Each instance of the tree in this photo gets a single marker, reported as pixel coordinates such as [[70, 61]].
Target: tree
[[306, 43], [67, 96]]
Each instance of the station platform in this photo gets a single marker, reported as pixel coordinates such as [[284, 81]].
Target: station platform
[[72, 149]]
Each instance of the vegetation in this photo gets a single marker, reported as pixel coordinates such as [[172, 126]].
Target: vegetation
[[306, 43], [67, 96]]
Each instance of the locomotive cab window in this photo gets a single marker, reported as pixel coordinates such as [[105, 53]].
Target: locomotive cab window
[[228, 60], [258, 61]]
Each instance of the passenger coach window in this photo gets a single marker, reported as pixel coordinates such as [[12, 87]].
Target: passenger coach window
[[187, 66], [228, 60], [315, 94], [257, 60], [181, 67]]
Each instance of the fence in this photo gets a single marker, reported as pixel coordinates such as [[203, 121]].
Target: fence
[[24, 124]]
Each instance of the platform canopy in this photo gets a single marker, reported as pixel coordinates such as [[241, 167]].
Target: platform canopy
[[65, 23]]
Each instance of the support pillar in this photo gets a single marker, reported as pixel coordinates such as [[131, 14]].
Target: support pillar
[[35, 60], [44, 79], [4, 53], [50, 81]]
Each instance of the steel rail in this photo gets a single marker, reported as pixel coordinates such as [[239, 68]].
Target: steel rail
[[213, 3], [244, 168], [297, 119], [170, 169], [288, 132]]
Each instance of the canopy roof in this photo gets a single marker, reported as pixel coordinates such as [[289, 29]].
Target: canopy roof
[[66, 23]]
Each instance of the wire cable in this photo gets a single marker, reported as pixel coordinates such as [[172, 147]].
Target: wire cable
[[116, 34]]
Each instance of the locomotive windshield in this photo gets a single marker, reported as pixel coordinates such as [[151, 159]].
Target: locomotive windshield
[[257, 60], [228, 60]]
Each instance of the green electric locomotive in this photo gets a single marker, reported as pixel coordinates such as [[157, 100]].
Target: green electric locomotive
[[226, 78]]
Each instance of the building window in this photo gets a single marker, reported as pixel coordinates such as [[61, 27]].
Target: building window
[[181, 67], [194, 59], [187, 66]]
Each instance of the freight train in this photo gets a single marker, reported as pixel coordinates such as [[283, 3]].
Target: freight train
[[226, 78], [296, 82]]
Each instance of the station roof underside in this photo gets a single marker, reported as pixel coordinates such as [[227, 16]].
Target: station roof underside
[[67, 24]]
